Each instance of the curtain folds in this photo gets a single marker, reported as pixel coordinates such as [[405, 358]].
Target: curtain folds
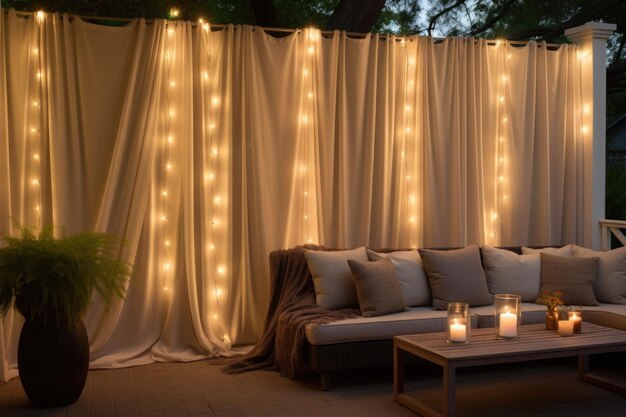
[[205, 150]]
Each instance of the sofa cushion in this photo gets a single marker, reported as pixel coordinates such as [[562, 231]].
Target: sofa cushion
[[410, 274], [377, 287], [510, 273], [573, 276], [609, 315], [531, 314], [456, 275], [332, 278], [610, 287], [414, 320], [563, 251]]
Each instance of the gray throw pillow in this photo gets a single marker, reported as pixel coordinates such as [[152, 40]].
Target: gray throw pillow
[[610, 287], [410, 274], [456, 276], [573, 276], [510, 273], [332, 279], [377, 287]]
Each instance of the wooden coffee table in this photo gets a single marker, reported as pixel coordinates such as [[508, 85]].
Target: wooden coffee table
[[485, 349]]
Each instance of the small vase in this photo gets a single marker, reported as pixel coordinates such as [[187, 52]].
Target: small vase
[[552, 320]]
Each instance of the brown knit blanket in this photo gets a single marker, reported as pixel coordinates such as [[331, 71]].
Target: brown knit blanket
[[292, 306]]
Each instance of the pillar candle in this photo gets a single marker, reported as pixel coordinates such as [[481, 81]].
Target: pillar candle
[[566, 328], [508, 324], [458, 332]]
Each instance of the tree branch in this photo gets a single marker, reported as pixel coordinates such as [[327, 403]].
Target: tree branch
[[492, 20], [355, 15], [433, 20]]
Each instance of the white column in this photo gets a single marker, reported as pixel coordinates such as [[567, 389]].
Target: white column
[[591, 37]]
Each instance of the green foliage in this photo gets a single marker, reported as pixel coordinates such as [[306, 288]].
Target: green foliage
[[616, 192], [52, 279]]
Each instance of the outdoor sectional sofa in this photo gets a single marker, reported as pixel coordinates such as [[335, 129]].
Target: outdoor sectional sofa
[[314, 323]]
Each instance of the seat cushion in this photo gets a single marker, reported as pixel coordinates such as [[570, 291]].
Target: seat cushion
[[609, 315], [531, 314], [414, 320]]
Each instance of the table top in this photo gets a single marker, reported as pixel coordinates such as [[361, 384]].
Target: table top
[[534, 343]]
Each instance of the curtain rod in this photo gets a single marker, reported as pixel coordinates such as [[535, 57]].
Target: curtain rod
[[222, 26]]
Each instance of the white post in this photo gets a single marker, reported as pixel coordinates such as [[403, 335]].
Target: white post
[[591, 37]]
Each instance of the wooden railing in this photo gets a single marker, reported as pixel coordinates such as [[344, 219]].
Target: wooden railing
[[612, 227]]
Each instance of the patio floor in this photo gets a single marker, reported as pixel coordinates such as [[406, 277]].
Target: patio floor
[[544, 388]]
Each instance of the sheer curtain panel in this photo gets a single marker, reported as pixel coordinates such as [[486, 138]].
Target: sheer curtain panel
[[205, 149]]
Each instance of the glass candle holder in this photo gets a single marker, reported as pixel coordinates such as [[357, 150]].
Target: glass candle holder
[[508, 315], [576, 317], [459, 325]]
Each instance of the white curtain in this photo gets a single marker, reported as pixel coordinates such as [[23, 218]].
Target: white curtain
[[207, 149]]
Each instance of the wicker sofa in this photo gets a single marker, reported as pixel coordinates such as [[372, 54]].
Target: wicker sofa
[[354, 342]]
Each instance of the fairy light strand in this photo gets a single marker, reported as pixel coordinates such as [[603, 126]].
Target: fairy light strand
[[309, 61], [502, 136], [167, 167], [408, 147], [36, 129], [216, 203]]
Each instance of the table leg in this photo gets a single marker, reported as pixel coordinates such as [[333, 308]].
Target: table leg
[[449, 391], [398, 371], [597, 380]]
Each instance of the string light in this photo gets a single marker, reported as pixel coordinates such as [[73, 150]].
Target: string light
[[214, 200], [409, 146], [306, 131], [500, 145]]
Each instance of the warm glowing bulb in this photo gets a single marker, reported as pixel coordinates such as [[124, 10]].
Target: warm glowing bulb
[[411, 61], [305, 119], [407, 108], [407, 130], [38, 208], [494, 215], [217, 199], [505, 119], [36, 156], [306, 217], [305, 72], [214, 151], [205, 75], [174, 12], [505, 78], [408, 178], [585, 109], [501, 98], [165, 288], [211, 247], [164, 193], [215, 316], [205, 26], [221, 270], [306, 193], [36, 103], [508, 56], [498, 42], [310, 50], [35, 181], [583, 129], [168, 166], [171, 113], [35, 51], [40, 15], [33, 129], [500, 178], [167, 243], [218, 292], [170, 32], [412, 219], [172, 84], [215, 101], [212, 126], [163, 218], [166, 265], [310, 94], [39, 75], [402, 42]]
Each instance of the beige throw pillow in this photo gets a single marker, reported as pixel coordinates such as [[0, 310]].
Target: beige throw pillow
[[411, 275], [332, 278], [573, 276], [610, 287], [456, 275], [510, 273], [563, 251], [377, 287]]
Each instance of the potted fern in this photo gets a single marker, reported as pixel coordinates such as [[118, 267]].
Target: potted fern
[[50, 282]]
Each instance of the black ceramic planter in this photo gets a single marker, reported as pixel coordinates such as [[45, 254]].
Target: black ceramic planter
[[53, 361]]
